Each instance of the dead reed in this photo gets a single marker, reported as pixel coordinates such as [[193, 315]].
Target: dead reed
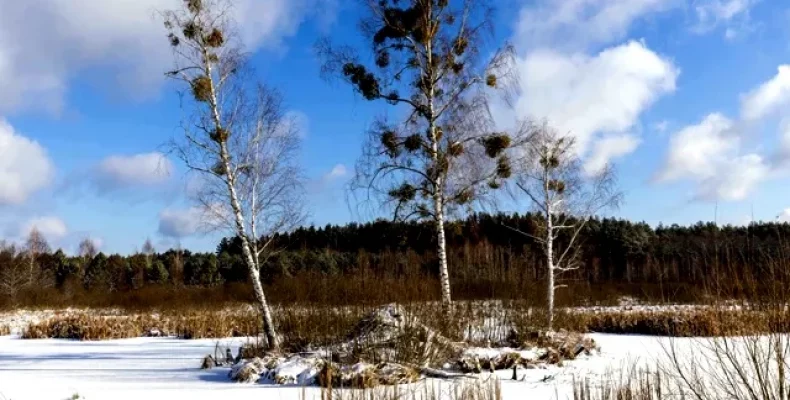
[[489, 389], [634, 386], [305, 327]]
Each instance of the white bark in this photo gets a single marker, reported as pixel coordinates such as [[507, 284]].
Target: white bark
[[549, 210], [230, 180], [550, 262], [252, 264], [442, 249], [438, 203], [550, 176]]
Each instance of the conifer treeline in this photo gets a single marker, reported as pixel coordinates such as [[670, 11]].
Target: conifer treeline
[[490, 256], [486, 246]]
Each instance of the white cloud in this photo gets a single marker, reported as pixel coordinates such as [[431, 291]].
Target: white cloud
[[46, 43], [338, 171], [768, 98], [735, 180], [698, 150], [590, 95], [53, 228], [709, 154], [24, 166], [784, 142], [784, 216], [574, 73], [147, 169], [608, 149], [580, 23], [662, 126], [180, 223], [714, 13]]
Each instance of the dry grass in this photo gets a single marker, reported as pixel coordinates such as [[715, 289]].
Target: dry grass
[[643, 386], [479, 323], [332, 376], [702, 322], [195, 325], [427, 390]]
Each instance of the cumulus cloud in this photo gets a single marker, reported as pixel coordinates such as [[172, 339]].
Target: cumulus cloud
[[46, 43], [736, 180], [24, 166], [147, 169], [179, 224], [53, 228], [698, 150], [709, 154], [714, 152], [784, 216], [575, 73], [768, 98], [783, 155], [577, 24], [587, 96], [607, 149]]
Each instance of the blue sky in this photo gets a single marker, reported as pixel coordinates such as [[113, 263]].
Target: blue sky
[[688, 98]]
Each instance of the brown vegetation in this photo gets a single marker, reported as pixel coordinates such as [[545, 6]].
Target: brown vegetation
[[304, 327], [635, 386], [489, 389], [194, 325]]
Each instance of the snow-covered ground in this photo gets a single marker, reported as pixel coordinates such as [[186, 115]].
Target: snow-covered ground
[[154, 368], [166, 368]]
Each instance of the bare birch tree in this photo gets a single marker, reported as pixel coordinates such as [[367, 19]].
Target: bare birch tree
[[444, 153], [148, 249], [238, 138], [14, 274], [87, 249], [36, 245], [549, 176]]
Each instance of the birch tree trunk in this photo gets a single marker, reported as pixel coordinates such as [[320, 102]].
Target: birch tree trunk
[[444, 271], [230, 180], [550, 260], [234, 132], [454, 155], [442, 249], [251, 260]]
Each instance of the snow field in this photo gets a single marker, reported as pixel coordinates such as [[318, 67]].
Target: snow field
[[166, 368]]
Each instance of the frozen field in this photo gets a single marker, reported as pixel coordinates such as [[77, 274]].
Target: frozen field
[[165, 368]]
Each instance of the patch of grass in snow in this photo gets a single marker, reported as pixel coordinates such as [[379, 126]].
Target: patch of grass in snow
[[691, 323], [488, 389], [640, 386], [307, 327], [195, 325]]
